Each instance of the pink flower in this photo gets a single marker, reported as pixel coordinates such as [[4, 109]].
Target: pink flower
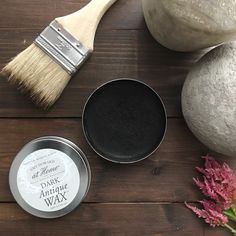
[[219, 182], [211, 213]]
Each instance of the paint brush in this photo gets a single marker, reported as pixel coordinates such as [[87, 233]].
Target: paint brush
[[44, 68]]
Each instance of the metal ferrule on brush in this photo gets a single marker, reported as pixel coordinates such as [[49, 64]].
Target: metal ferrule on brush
[[62, 47]]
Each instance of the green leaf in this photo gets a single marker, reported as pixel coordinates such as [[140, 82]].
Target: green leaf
[[233, 207], [230, 214]]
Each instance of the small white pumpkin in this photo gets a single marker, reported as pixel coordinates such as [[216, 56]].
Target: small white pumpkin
[[209, 99], [188, 25]]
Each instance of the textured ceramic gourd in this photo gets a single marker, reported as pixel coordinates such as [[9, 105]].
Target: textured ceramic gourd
[[209, 99], [188, 25]]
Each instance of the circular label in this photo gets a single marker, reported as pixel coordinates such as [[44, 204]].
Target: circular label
[[48, 180]]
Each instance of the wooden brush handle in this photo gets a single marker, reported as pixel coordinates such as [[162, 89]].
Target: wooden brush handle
[[83, 24]]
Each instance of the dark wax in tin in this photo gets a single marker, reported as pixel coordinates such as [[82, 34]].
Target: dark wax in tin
[[124, 121], [47, 185]]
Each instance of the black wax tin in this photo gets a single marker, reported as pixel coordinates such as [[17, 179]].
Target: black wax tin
[[124, 121]]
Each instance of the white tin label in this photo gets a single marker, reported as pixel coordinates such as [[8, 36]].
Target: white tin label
[[48, 180]]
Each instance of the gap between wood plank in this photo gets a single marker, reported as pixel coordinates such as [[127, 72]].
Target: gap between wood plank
[[62, 118], [122, 202]]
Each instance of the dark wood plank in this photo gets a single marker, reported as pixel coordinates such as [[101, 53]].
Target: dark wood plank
[[39, 13], [219, 231], [118, 54], [165, 177], [104, 220]]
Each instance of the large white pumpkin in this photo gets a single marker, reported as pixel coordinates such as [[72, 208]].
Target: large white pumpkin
[[209, 99], [188, 25]]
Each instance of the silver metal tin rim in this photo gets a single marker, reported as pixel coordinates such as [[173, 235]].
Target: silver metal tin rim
[[125, 162], [68, 148]]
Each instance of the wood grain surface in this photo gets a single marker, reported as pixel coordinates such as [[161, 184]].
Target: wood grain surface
[[145, 198]]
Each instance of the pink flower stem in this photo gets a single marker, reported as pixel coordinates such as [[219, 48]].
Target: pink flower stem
[[230, 228]]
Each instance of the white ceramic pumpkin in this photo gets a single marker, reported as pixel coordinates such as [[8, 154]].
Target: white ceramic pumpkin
[[188, 25], [209, 99]]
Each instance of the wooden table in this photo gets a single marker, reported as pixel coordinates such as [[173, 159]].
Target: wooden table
[[140, 199]]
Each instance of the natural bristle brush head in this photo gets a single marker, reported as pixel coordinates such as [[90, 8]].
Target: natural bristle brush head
[[38, 75], [44, 68]]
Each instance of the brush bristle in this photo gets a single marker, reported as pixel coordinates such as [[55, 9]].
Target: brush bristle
[[36, 74]]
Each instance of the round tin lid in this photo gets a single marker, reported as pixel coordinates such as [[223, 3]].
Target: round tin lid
[[49, 177]]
